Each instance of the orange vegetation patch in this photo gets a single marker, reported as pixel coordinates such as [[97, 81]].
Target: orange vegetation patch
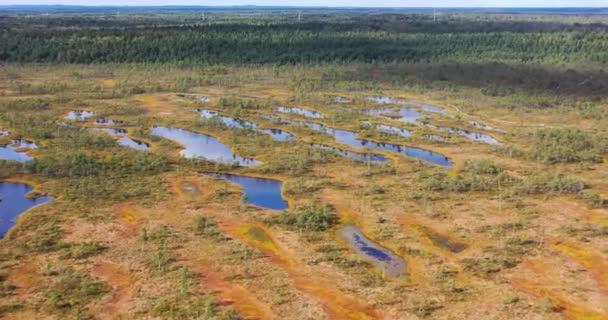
[[108, 82], [336, 304], [129, 217], [594, 262], [123, 288], [434, 238], [540, 285], [598, 215], [243, 301], [26, 277]]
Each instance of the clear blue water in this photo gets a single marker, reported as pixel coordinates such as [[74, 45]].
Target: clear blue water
[[350, 138], [79, 115], [276, 134], [382, 258], [409, 115], [132, 143], [299, 111], [202, 146], [365, 157], [264, 193], [13, 152], [13, 202], [4, 133]]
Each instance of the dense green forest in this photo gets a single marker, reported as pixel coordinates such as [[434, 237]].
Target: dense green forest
[[523, 51]]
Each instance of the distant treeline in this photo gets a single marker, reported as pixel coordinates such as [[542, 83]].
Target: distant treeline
[[387, 37]]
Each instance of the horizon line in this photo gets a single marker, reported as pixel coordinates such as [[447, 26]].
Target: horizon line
[[292, 6]]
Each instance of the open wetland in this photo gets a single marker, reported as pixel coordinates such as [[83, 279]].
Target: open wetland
[[271, 163]]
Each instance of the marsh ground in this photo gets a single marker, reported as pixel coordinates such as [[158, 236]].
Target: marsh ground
[[165, 241]]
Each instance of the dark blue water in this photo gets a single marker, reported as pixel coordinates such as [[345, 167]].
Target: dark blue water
[[80, 115], [13, 202], [350, 138], [264, 193], [276, 134], [389, 263], [365, 157], [132, 143], [202, 146], [299, 111]]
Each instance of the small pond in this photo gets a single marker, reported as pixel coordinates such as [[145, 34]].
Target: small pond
[[409, 115], [341, 100], [299, 111], [389, 263], [260, 192], [202, 146], [111, 131], [80, 115], [475, 136], [423, 106], [16, 152], [13, 202], [110, 122]]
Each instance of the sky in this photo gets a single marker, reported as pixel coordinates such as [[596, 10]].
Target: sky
[[336, 3]]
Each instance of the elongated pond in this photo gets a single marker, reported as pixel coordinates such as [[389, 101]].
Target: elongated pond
[[276, 134], [202, 146], [300, 111], [386, 261], [260, 192], [79, 115], [423, 106], [350, 138], [409, 115], [475, 136], [13, 202]]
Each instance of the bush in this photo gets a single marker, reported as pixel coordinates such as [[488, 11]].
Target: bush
[[483, 166], [310, 218], [567, 145], [25, 105], [550, 183]]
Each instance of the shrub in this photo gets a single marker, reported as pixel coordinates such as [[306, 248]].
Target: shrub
[[550, 183], [310, 218], [483, 166], [567, 145]]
